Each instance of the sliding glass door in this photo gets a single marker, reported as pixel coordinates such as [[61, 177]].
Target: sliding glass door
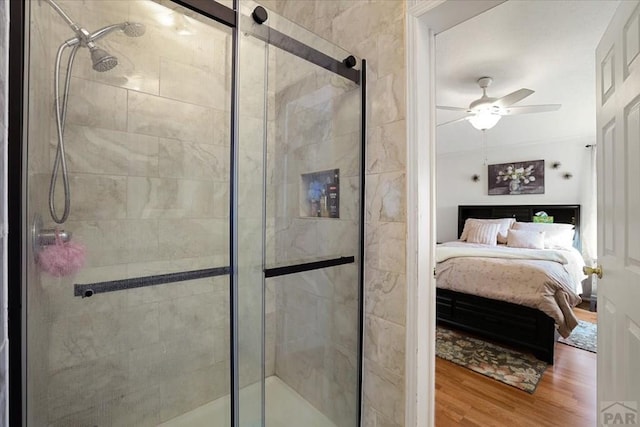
[[140, 333], [192, 219], [309, 168]]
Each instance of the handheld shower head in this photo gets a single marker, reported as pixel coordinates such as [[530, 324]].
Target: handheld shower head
[[102, 60], [130, 29], [134, 29]]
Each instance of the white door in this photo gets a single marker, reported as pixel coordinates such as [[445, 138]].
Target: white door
[[618, 150]]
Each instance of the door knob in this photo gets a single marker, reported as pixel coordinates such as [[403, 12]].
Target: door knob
[[593, 270]]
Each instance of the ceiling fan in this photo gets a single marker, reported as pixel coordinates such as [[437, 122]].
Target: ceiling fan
[[485, 112]]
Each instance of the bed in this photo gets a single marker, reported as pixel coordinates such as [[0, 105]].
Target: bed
[[485, 309]]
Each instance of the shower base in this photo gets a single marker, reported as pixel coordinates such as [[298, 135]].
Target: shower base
[[284, 408]]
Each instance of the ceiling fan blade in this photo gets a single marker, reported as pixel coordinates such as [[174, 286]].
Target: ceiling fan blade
[[443, 107], [456, 120], [512, 98], [526, 109]]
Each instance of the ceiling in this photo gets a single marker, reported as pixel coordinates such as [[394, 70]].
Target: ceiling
[[546, 46]]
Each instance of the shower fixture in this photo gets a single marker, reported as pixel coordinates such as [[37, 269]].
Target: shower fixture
[[101, 61]]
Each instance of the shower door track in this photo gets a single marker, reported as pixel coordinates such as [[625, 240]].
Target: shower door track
[[295, 47]]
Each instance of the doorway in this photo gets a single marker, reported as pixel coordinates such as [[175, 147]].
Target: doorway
[[425, 21]]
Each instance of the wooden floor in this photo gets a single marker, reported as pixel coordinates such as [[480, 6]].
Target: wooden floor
[[566, 395]]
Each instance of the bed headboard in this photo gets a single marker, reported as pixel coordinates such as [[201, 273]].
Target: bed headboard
[[564, 214]]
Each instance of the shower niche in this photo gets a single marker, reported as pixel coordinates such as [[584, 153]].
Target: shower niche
[[320, 194]]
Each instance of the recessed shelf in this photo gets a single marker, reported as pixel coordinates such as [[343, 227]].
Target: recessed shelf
[[320, 194]]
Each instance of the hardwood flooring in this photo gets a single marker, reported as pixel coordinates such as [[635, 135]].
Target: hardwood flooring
[[566, 395]]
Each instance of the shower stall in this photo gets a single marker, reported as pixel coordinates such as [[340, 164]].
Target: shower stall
[[191, 247]]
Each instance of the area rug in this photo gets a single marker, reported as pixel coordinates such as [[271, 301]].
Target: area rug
[[584, 336], [511, 367]]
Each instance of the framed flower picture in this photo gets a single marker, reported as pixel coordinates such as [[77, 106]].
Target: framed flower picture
[[517, 178]]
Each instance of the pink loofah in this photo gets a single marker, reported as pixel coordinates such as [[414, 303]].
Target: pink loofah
[[62, 259]]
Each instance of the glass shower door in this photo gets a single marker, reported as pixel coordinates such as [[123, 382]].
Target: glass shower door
[[215, 195], [309, 299], [313, 315], [140, 334]]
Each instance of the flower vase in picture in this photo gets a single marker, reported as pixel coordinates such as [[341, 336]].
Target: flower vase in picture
[[514, 186], [517, 178]]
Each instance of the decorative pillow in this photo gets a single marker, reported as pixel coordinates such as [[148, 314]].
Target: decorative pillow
[[505, 225], [487, 234], [525, 239], [556, 236]]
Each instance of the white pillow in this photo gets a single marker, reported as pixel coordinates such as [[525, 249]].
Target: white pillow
[[487, 234], [525, 239], [556, 236], [505, 225]]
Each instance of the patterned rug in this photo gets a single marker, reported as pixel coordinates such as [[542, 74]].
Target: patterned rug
[[511, 367], [584, 336]]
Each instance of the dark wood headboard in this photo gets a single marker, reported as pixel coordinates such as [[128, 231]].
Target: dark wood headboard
[[564, 214]]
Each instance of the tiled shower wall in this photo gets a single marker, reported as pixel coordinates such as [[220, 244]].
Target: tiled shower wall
[[148, 150], [374, 30], [4, 87]]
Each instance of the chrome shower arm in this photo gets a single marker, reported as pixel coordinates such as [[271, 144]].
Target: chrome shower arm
[[130, 29], [75, 27], [98, 34]]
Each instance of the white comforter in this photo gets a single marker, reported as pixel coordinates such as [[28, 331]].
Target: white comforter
[[570, 258], [548, 280]]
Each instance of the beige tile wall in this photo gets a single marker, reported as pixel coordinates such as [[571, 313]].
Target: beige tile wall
[[375, 30], [148, 155]]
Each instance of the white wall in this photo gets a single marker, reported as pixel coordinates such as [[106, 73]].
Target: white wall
[[455, 186]]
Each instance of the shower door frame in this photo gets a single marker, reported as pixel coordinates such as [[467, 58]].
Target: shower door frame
[[17, 192]]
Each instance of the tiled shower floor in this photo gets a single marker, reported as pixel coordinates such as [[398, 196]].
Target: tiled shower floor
[[285, 408]]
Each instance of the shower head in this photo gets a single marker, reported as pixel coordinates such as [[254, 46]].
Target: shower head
[[133, 29], [102, 60]]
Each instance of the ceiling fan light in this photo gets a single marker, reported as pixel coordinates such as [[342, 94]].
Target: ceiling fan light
[[484, 120]]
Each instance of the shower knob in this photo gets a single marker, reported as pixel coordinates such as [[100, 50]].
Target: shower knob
[[41, 237]]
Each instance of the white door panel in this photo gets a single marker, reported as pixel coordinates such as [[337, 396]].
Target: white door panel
[[618, 121]]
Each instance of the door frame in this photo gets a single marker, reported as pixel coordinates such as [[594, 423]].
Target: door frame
[[424, 19]]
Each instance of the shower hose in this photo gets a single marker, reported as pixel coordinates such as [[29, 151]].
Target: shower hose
[[60, 161]]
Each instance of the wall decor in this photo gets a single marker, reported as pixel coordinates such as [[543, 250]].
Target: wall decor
[[517, 178]]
